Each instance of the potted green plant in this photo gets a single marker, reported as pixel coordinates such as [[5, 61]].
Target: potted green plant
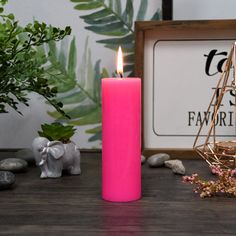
[[54, 151], [22, 63], [57, 131]]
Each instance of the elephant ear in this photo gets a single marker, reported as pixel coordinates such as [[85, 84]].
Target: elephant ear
[[56, 149]]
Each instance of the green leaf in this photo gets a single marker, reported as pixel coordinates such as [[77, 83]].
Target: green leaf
[[89, 6], [72, 60], [83, 65], [90, 87], [111, 4], [94, 130], [118, 41], [97, 131], [128, 13], [61, 71], [56, 115], [113, 29], [81, 110], [74, 98], [52, 52], [157, 15], [109, 20], [89, 82], [68, 30], [97, 136], [97, 82], [97, 15], [92, 118], [117, 7], [100, 21], [62, 57], [3, 2], [142, 10]]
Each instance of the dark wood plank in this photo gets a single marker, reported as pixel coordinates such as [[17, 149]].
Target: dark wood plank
[[174, 153], [72, 205]]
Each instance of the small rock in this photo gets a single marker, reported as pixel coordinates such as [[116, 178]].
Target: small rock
[[176, 166], [157, 160], [13, 165], [26, 154], [7, 179], [143, 159]]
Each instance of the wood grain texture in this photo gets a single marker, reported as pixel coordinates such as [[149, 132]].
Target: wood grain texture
[[72, 205]]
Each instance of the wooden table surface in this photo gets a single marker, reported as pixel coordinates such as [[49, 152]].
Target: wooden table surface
[[72, 205]]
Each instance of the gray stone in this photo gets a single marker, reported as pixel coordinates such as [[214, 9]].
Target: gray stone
[[143, 159], [7, 179], [176, 166], [25, 154], [157, 160], [13, 165]]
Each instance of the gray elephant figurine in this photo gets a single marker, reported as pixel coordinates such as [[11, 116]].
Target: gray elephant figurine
[[53, 156]]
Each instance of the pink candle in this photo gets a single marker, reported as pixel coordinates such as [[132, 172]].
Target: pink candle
[[121, 142]]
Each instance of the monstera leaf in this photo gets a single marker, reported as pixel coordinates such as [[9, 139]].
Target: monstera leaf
[[107, 18], [80, 96], [61, 70]]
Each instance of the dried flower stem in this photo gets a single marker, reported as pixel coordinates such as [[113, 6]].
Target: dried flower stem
[[225, 184]]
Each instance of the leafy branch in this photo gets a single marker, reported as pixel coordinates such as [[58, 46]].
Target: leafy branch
[[21, 68]]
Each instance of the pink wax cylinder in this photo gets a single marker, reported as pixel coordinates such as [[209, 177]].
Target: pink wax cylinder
[[121, 139]]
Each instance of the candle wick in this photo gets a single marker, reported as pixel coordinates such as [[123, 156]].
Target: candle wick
[[121, 75]]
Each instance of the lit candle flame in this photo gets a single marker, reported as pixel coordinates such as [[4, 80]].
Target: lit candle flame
[[119, 69]]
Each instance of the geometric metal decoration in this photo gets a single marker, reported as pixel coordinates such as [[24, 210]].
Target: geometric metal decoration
[[217, 151]]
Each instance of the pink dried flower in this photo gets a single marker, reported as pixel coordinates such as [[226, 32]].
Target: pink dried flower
[[226, 183], [233, 172], [215, 169]]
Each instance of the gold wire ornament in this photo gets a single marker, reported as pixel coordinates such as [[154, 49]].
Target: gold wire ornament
[[219, 152]]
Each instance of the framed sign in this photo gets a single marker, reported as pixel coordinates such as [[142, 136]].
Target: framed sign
[[180, 64]]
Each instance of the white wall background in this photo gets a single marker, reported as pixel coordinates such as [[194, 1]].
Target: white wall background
[[204, 9]]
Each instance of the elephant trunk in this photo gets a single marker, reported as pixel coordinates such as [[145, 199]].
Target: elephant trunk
[[44, 154], [41, 163]]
